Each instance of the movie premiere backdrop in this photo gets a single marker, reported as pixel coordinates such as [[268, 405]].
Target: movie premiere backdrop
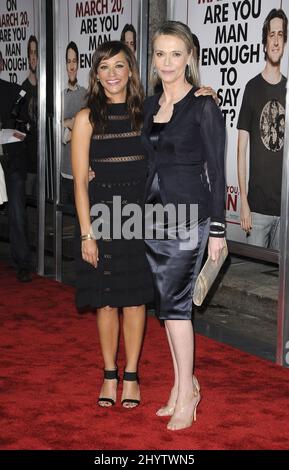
[[18, 21], [230, 35], [89, 24]]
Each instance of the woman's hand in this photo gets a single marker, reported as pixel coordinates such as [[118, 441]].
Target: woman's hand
[[215, 247], [207, 91], [89, 252], [91, 174]]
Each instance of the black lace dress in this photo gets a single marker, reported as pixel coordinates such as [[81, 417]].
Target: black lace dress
[[123, 276]]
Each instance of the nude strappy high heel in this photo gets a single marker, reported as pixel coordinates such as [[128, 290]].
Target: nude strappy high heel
[[187, 413], [196, 384], [169, 410]]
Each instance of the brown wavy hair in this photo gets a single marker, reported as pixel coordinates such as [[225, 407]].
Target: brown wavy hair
[[97, 101]]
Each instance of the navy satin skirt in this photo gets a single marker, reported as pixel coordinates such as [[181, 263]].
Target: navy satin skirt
[[175, 265]]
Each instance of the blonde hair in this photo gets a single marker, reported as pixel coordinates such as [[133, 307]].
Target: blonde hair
[[183, 32]]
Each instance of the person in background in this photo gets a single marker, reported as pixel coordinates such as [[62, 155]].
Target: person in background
[[261, 124], [3, 192], [15, 176]]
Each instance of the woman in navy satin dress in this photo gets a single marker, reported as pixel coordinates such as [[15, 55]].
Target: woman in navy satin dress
[[185, 138]]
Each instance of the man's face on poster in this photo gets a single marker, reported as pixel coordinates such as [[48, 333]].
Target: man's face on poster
[[129, 40], [275, 41], [33, 56], [71, 66]]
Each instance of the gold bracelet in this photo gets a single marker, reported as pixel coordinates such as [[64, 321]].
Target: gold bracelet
[[86, 237]]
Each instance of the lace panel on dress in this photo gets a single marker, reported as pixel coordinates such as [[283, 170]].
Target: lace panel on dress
[[121, 135], [130, 158], [118, 117], [113, 184]]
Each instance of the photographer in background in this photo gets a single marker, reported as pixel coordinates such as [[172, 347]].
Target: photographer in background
[[15, 174]]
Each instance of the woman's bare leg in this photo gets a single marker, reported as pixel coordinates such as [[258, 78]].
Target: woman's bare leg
[[182, 338], [168, 409], [108, 329], [133, 330]]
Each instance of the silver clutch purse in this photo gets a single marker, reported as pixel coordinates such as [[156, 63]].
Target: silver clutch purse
[[207, 276]]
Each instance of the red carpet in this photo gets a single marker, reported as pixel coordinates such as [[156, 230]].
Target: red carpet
[[51, 374]]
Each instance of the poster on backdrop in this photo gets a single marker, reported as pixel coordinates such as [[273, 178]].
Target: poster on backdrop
[[84, 25], [230, 35], [89, 24], [17, 23]]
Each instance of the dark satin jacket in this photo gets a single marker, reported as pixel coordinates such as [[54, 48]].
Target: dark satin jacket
[[194, 139]]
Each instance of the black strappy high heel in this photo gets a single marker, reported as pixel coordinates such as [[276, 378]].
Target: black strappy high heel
[[109, 375], [130, 377]]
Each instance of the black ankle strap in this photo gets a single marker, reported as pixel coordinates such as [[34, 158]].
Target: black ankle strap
[[111, 374], [130, 376]]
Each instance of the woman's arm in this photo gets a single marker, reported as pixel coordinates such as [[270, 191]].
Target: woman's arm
[[80, 144], [215, 247], [213, 137]]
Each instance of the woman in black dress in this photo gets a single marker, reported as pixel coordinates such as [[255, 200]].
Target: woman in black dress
[[113, 271], [185, 137]]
